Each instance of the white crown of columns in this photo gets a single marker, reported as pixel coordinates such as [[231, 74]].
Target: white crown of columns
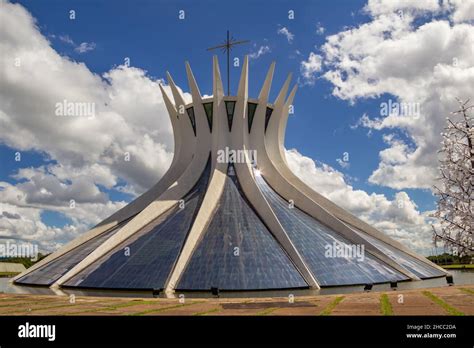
[[199, 137]]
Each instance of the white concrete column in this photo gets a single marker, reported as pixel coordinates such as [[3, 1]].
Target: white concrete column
[[216, 183], [240, 140], [169, 198], [274, 141]]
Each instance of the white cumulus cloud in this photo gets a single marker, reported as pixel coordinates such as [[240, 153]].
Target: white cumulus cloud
[[260, 52], [398, 217], [86, 154], [310, 67], [84, 47], [419, 59], [286, 33]]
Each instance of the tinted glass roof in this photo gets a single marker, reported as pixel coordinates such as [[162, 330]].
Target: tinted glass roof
[[237, 251], [313, 239]]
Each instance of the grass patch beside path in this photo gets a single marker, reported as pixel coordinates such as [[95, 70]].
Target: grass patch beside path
[[330, 307], [8, 274], [129, 304], [446, 306], [113, 306], [385, 305], [16, 304], [214, 310], [162, 309], [467, 291], [267, 311], [459, 266], [29, 310]]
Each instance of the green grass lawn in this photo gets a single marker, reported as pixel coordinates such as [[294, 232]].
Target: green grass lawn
[[466, 266], [446, 306], [385, 305], [330, 307], [8, 274]]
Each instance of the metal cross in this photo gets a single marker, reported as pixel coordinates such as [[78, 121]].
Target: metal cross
[[227, 47]]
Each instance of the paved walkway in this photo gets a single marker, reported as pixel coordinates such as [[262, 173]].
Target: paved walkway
[[452, 300]]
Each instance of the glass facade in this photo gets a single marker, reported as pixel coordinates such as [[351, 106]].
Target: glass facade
[[318, 245], [410, 263], [268, 114], [146, 260], [251, 107], [237, 251], [192, 118], [230, 107], [52, 271], [208, 108]]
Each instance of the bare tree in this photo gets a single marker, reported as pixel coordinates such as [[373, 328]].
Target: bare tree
[[455, 193]]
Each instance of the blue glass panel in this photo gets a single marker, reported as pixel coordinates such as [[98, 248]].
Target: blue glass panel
[[251, 108], [52, 271], [312, 239], [146, 260], [419, 268], [208, 108], [237, 252]]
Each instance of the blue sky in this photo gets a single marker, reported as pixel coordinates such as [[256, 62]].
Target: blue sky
[[323, 126], [154, 39]]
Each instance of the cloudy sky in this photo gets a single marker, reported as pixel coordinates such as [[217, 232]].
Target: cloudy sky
[[349, 58]]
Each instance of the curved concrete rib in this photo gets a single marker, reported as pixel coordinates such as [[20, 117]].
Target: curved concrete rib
[[68, 247], [216, 182], [191, 155], [169, 198], [290, 192], [274, 143], [181, 160], [239, 139]]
